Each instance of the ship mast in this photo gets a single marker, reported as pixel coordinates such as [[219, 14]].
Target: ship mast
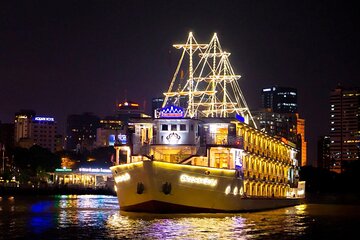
[[210, 87]]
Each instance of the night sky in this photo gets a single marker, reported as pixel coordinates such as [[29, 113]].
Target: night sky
[[66, 57]]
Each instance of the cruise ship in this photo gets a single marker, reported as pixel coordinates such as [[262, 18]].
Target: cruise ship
[[202, 152]]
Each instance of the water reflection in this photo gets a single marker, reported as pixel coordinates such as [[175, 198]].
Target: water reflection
[[74, 217], [284, 223]]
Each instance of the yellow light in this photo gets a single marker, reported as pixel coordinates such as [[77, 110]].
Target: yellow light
[[115, 188], [122, 178], [198, 180], [227, 190], [241, 192], [235, 191]]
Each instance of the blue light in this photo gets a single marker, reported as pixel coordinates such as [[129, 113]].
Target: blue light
[[240, 118], [44, 119], [172, 112]]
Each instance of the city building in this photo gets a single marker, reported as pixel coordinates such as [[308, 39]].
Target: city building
[[43, 132], [22, 124], [279, 99], [110, 131], [301, 143], [277, 124], [344, 127], [323, 152], [81, 131], [279, 117], [129, 109], [85, 177], [156, 104], [30, 129]]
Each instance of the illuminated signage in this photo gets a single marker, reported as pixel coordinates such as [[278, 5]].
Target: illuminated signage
[[97, 170], [198, 180], [45, 119], [63, 170], [172, 112], [121, 139], [122, 178]]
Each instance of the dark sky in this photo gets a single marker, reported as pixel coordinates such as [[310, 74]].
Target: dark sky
[[65, 57]]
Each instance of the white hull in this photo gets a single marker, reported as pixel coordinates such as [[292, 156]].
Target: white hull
[[159, 187]]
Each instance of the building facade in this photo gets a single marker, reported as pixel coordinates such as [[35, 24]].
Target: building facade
[[30, 130], [279, 117], [344, 127], [22, 124], [323, 152], [81, 131], [279, 99]]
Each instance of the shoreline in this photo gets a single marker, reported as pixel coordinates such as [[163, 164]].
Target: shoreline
[[27, 191]]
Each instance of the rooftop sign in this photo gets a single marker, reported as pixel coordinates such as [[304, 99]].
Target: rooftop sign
[[172, 112], [45, 119]]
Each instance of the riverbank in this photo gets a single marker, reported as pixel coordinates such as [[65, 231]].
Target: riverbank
[[7, 191]]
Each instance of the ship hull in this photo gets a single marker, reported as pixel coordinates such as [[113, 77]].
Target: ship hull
[[159, 187]]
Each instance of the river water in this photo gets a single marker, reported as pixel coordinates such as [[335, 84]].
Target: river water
[[99, 217]]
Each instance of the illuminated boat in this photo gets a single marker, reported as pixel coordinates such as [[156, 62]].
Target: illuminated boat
[[202, 151]]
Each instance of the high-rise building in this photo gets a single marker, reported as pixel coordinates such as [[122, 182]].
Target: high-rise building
[[22, 124], [43, 131], [81, 131], [279, 117], [344, 127], [277, 124], [323, 152], [30, 129], [279, 99], [302, 143]]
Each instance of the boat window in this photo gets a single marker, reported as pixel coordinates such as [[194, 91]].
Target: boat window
[[164, 127], [182, 127], [173, 127]]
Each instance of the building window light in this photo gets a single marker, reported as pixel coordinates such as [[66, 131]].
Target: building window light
[[332, 129]]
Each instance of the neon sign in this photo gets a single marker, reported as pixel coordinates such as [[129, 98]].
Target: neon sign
[[63, 170], [172, 112], [46, 119], [198, 180], [94, 170]]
